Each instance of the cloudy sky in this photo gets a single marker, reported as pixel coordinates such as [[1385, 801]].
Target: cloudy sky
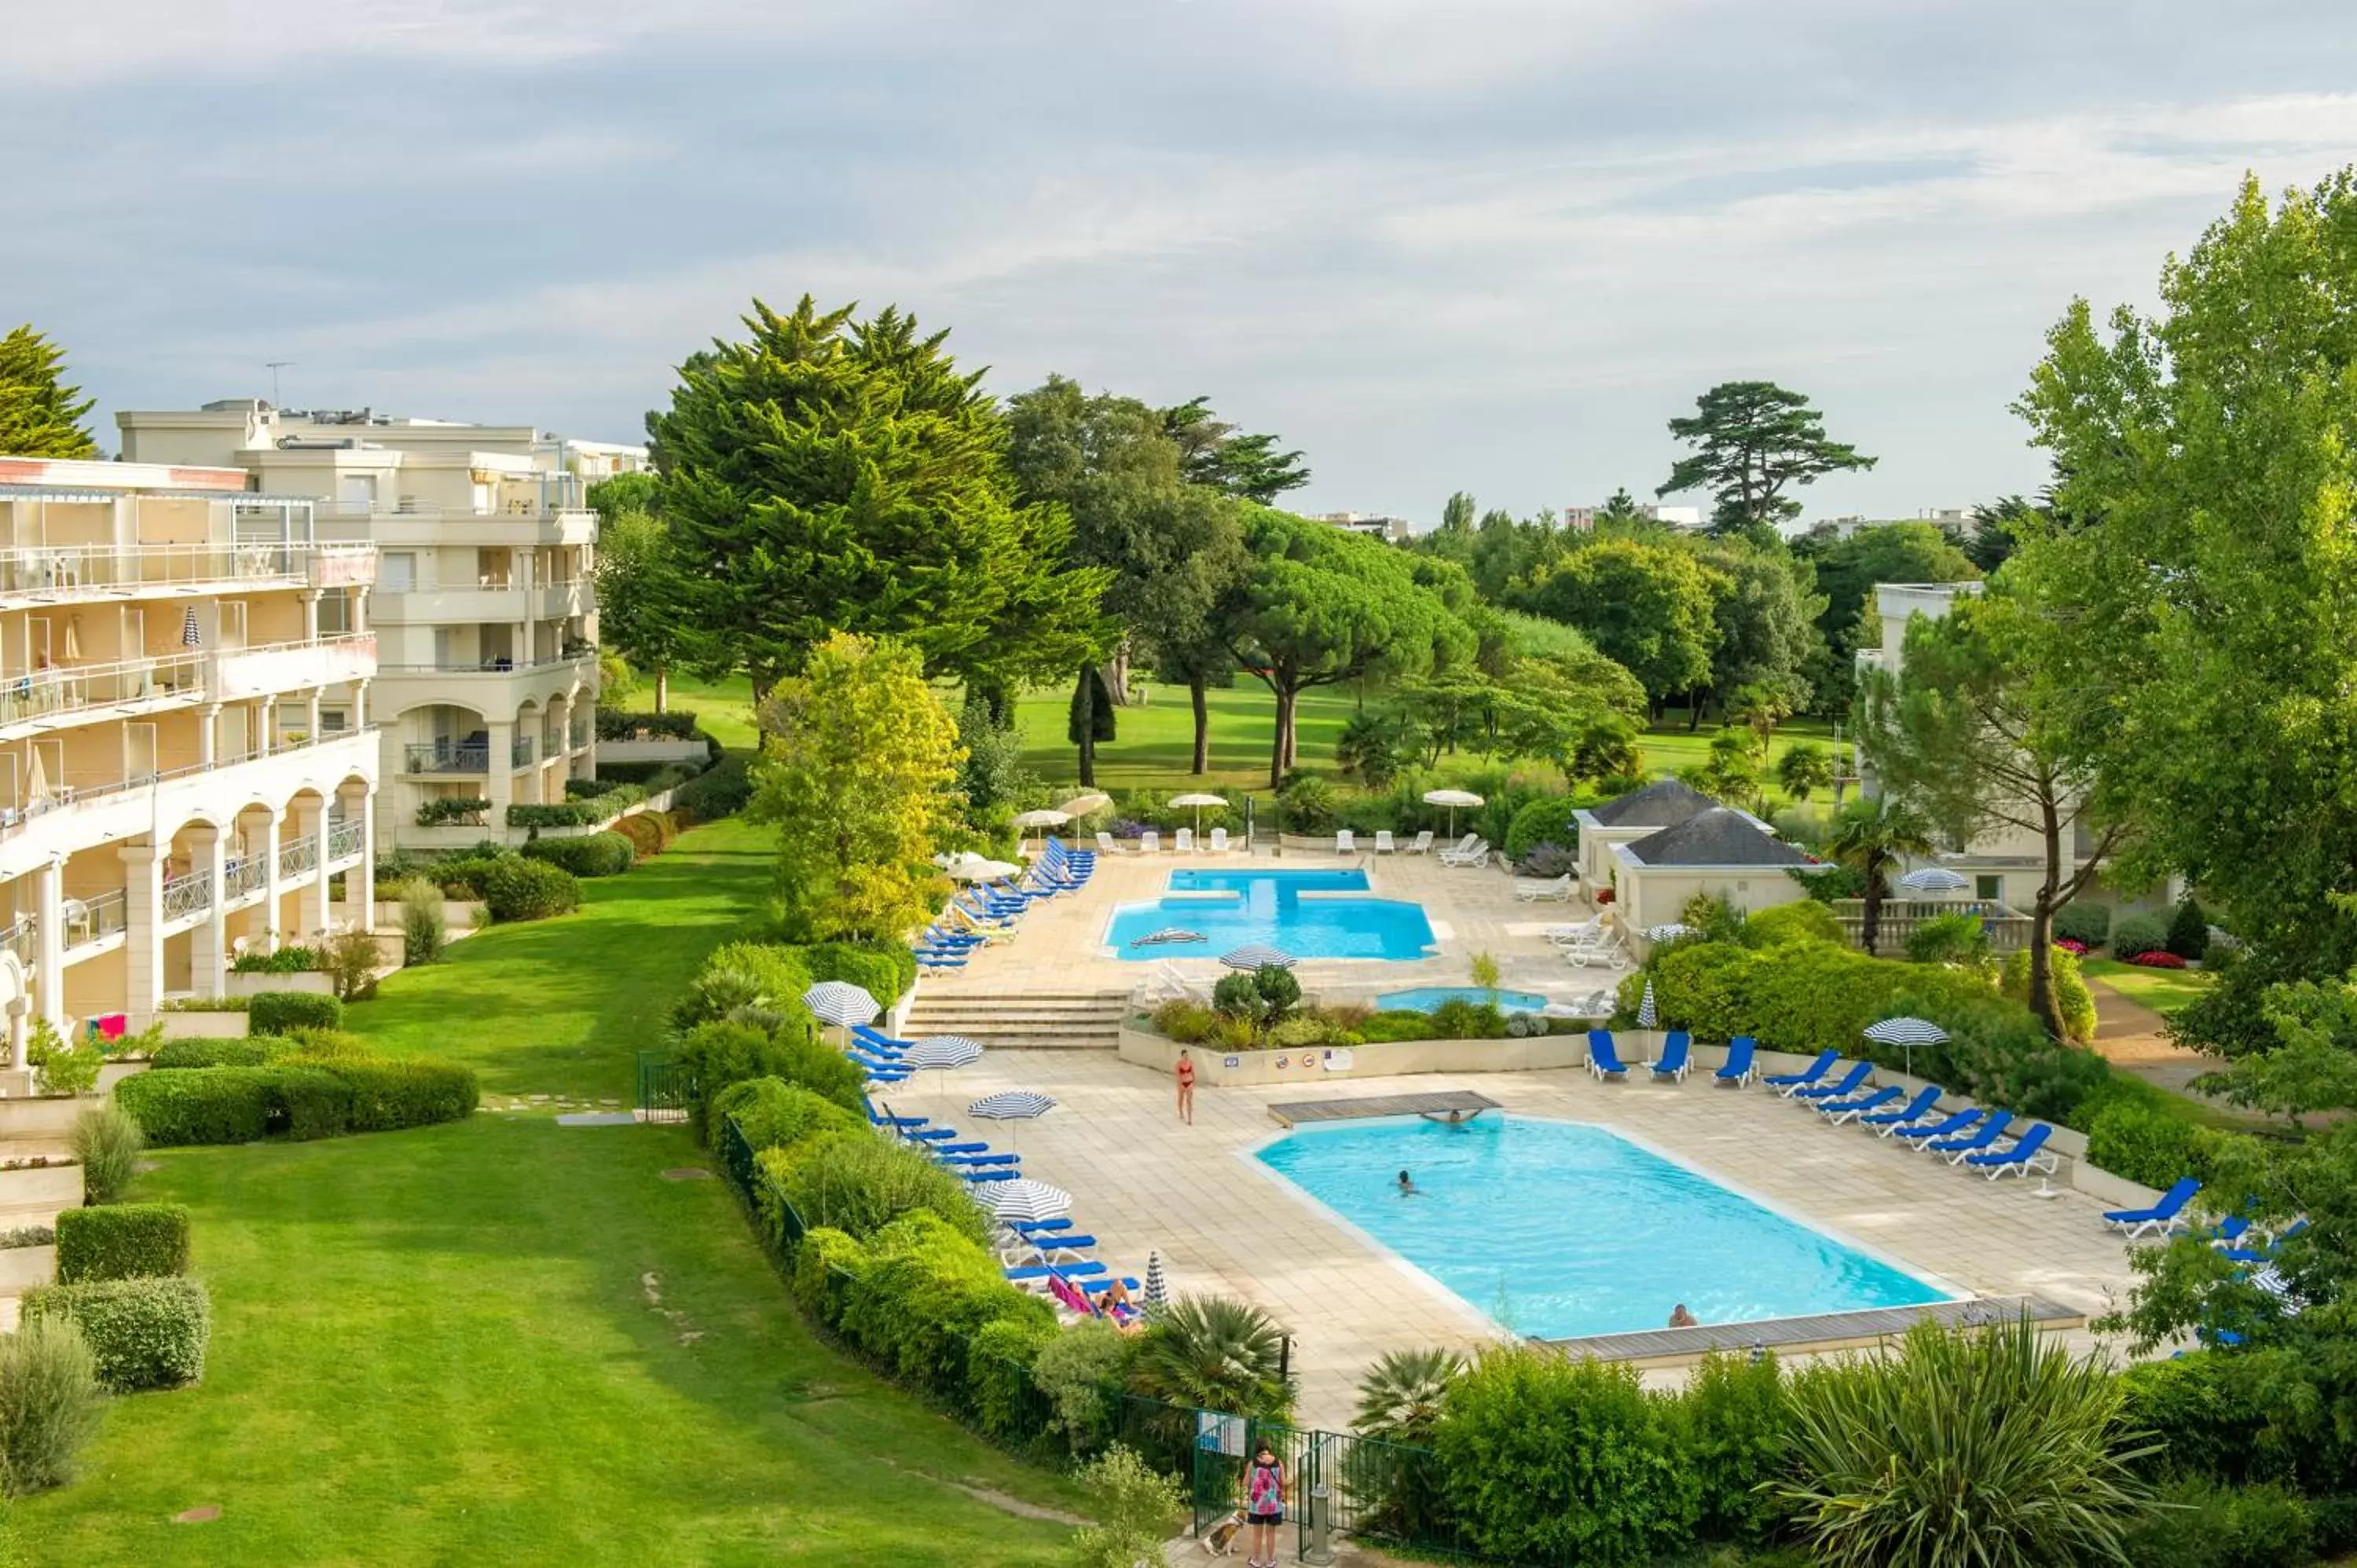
[[1487, 244]]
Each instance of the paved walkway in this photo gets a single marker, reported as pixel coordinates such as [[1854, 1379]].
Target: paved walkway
[[2135, 1038]]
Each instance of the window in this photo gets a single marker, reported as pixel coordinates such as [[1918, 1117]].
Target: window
[[1990, 888], [355, 492], [399, 570], [335, 612], [334, 721]]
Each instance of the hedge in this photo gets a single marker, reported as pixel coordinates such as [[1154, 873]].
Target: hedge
[[721, 792], [275, 1011], [217, 1105], [319, 1099], [411, 1092], [592, 855], [645, 773], [774, 1114], [884, 971], [1547, 820], [519, 889], [649, 832], [176, 1053], [145, 1334], [123, 1242], [570, 814], [469, 808], [615, 724], [616, 793], [1802, 997]]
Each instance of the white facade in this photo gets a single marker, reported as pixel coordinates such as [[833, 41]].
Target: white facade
[[485, 614], [184, 765], [1689, 518], [1374, 525]]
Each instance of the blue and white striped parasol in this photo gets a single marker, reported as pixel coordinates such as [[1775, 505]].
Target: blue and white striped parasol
[[1156, 1294], [840, 1002], [1933, 879], [1646, 1017], [1907, 1034], [1669, 932], [189, 635], [1255, 956], [1024, 1202], [941, 1052], [1014, 1105]]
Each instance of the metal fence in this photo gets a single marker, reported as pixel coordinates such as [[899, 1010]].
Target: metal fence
[[665, 1086]]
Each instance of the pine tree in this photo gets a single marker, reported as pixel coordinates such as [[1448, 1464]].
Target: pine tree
[[39, 415], [831, 474]]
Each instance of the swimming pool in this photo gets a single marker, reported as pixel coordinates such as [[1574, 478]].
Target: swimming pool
[[1425, 998], [1558, 1228], [1227, 910]]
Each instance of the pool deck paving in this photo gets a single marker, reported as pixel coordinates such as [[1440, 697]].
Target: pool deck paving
[[1224, 1223]]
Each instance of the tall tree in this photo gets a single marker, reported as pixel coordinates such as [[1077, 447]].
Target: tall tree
[[1765, 607], [1323, 604], [1620, 510], [1090, 720], [825, 475], [856, 772], [1457, 516], [1218, 455], [1751, 440], [1647, 608], [1870, 836], [2206, 458], [41, 416], [1986, 729], [639, 588]]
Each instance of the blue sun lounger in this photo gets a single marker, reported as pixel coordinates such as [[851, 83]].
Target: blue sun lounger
[[1784, 1083], [1070, 1271], [1918, 1136], [1603, 1060], [1984, 1136], [2267, 1254], [2029, 1154], [1848, 1086], [1673, 1063], [1885, 1121], [2136, 1223], [1738, 1070], [1837, 1111]]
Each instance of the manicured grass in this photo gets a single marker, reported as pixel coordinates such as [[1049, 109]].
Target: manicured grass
[[725, 708], [2162, 990], [506, 1341]]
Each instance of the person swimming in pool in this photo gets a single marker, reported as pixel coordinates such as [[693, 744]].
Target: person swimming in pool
[[1407, 1186], [1681, 1318]]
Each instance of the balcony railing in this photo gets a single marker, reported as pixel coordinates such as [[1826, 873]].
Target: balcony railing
[[190, 894], [247, 874], [447, 756], [487, 666], [23, 940], [520, 751], [580, 734], [65, 570], [298, 858], [94, 919], [39, 693], [2008, 928], [344, 838], [81, 793]]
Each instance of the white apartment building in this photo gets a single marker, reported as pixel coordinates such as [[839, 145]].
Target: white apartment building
[[1374, 525], [1582, 519], [485, 613], [183, 764]]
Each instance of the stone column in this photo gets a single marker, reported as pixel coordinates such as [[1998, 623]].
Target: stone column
[[143, 944], [359, 611], [209, 734], [19, 1009], [359, 882], [268, 740], [310, 615], [499, 780], [311, 715], [311, 897], [209, 955], [49, 961], [271, 890]]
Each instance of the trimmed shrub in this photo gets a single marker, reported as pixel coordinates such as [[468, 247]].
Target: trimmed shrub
[[1547, 820], [1558, 1460], [144, 1334], [123, 1242], [311, 1102], [2084, 922], [2199, 1524], [2158, 960], [774, 1114], [1396, 1023], [2137, 934], [614, 794], [275, 1011], [1736, 1427], [591, 855], [107, 1141], [614, 723], [467, 809], [289, 959], [175, 1054], [720, 1053], [520, 889], [884, 975], [858, 1184], [1459, 1019], [721, 792], [649, 832], [51, 1403], [1806, 921], [561, 814], [1236, 996], [2189, 931], [1184, 1021], [928, 1289], [998, 1367], [769, 973], [826, 1265], [2132, 1139], [412, 1091], [2071, 997], [217, 1105]]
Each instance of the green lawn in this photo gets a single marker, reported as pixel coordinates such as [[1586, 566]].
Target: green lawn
[[508, 1342], [725, 708], [2162, 990]]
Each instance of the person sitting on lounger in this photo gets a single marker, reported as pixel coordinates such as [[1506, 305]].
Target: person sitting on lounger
[[1114, 1298], [1681, 1318], [1406, 1185]]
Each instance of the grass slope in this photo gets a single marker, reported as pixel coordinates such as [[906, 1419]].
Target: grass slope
[[2162, 990], [504, 1341]]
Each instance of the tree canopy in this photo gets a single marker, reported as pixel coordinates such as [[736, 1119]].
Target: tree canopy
[[1647, 608], [1220, 455], [824, 474], [1847, 570], [1753, 440], [640, 593], [41, 416]]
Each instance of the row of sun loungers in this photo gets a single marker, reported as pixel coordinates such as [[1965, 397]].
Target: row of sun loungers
[[1591, 941], [986, 913]]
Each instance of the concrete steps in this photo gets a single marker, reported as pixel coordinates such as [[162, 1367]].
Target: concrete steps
[[1031, 1020]]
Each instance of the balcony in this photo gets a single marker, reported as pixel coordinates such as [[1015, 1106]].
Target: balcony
[[293, 666], [490, 666], [446, 756], [243, 874], [93, 921], [130, 571], [344, 840], [580, 734], [190, 894], [23, 940], [85, 794], [62, 692], [520, 751], [298, 858]]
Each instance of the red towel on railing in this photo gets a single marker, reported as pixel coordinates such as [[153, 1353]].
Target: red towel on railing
[[110, 1026]]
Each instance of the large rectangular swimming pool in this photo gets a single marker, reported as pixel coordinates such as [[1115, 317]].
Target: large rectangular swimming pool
[[1560, 1230], [1223, 910]]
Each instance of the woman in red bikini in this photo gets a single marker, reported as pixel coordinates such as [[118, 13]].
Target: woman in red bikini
[[1186, 1087]]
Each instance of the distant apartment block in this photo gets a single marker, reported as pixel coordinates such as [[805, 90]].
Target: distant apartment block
[[484, 611], [184, 762], [1689, 518], [1373, 525]]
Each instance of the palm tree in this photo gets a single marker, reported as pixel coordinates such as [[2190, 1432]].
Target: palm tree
[[1400, 1396], [1805, 767], [1214, 1352], [1868, 837]]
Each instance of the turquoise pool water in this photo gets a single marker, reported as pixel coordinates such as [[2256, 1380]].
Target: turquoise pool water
[[1228, 909], [1425, 998], [1558, 1228]]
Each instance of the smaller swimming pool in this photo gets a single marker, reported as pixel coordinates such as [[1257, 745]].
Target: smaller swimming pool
[[1425, 998]]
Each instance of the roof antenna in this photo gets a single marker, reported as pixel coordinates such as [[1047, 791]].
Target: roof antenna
[[275, 366]]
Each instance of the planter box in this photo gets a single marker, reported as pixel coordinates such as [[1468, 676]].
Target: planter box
[[1388, 1058], [656, 749], [202, 1025], [235, 984], [31, 1197], [41, 1116], [22, 1268]]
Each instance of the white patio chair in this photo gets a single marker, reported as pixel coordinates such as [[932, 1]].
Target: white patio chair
[[1423, 844], [1219, 840], [1149, 843], [1383, 844], [1345, 842], [1186, 841], [1106, 844]]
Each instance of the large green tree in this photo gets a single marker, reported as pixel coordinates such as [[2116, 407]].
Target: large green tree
[[1647, 608], [1987, 730], [41, 416], [1323, 604], [2206, 457], [1220, 455], [1765, 605], [1847, 570], [639, 592], [1753, 440], [858, 759], [823, 474], [1870, 836]]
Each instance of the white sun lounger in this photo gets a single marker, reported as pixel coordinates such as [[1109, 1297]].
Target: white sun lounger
[[1345, 842], [1383, 844], [1477, 854], [1219, 840], [1186, 837], [1423, 844], [1543, 890], [1149, 843]]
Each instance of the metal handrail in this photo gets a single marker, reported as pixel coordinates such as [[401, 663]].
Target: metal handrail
[[580, 736], [296, 858], [246, 875], [520, 751], [446, 756], [24, 939], [96, 919], [70, 689], [14, 818], [343, 839], [190, 894], [67, 568], [485, 667]]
